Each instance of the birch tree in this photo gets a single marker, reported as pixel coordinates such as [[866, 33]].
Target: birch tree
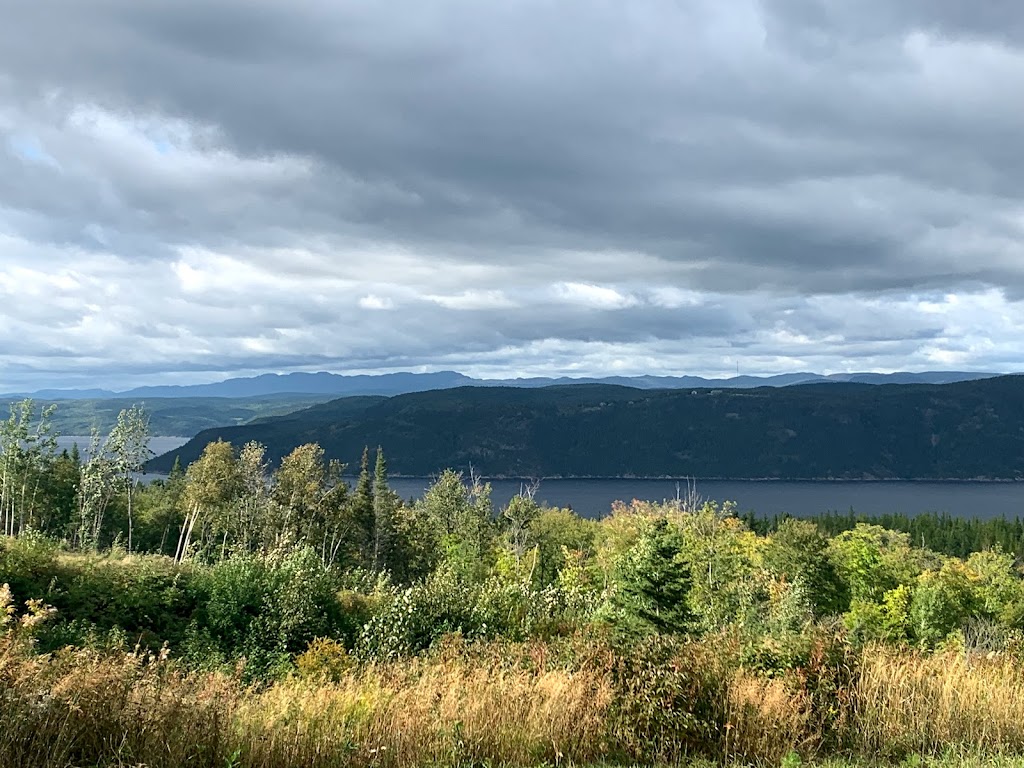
[[27, 451], [96, 489], [311, 498], [128, 448], [252, 509], [210, 484]]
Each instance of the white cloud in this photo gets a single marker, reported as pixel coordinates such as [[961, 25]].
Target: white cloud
[[370, 301], [473, 299], [593, 296]]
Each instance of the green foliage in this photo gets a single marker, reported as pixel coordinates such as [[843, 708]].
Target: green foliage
[[723, 558], [415, 618], [798, 552], [143, 599], [27, 458], [998, 588], [943, 602], [28, 563], [873, 560], [325, 659], [939, 532], [461, 513], [385, 502], [654, 582], [362, 509], [555, 532], [265, 608]]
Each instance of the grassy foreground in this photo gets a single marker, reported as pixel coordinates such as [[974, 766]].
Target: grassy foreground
[[578, 701]]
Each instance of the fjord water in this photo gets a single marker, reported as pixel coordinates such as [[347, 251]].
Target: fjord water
[[158, 445], [594, 498]]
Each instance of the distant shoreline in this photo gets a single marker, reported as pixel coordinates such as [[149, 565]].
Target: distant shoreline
[[662, 478]]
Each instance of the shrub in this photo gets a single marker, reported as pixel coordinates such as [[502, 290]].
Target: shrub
[[28, 562], [264, 608]]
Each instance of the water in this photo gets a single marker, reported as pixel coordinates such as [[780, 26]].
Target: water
[[593, 498], [158, 445]]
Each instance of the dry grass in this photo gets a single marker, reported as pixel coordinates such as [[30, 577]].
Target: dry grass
[[497, 705], [452, 712], [767, 718], [907, 703], [81, 709], [78, 708]]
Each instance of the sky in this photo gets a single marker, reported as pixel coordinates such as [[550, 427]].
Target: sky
[[193, 189]]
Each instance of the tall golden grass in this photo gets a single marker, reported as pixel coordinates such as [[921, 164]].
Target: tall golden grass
[[767, 718], [80, 708], [449, 712], [499, 704], [908, 702]]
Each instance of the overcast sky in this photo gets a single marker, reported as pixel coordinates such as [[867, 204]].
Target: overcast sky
[[191, 189]]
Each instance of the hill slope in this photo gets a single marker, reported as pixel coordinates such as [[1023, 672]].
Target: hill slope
[[963, 430], [169, 416]]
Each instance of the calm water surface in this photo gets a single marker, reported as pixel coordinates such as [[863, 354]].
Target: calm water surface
[[593, 498], [158, 445]]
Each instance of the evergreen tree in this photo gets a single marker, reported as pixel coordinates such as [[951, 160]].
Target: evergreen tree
[[384, 503], [361, 506], [654, 581]]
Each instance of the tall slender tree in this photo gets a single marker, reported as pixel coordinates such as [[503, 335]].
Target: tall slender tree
[[384, 503], [28, 447], [128, 447], [361, 506]]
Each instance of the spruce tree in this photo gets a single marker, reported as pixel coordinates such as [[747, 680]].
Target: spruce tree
[[362, 508], [654, 581], [383, 514]]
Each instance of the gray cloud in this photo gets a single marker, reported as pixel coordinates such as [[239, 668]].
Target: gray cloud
[[205, 187]]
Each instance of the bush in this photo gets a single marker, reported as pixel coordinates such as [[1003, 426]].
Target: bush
[[27, 563], [943, 602], [263, 608]]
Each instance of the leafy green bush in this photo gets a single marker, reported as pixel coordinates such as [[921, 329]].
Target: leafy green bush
[[27, 563], [264, 608], [943, 602], [414, 618]]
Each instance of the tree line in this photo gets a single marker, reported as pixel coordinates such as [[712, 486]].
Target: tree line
[[449, 561], [229, 501]]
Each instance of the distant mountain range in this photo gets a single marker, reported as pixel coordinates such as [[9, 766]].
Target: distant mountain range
[[846, 430], [388, 384]]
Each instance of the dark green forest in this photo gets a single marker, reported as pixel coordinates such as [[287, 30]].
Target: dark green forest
[[964, 430]]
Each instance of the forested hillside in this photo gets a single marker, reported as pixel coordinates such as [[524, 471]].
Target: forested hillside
[[962, 430], [179, 416]]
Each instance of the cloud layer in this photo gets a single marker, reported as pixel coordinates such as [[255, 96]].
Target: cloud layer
[[191, 188]]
